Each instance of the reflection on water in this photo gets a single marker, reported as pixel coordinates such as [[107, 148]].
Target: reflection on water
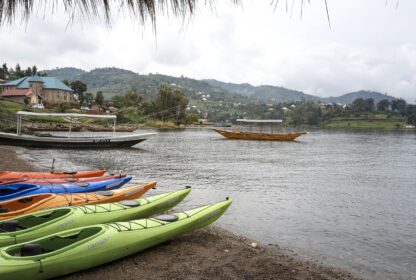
[[347, 199]]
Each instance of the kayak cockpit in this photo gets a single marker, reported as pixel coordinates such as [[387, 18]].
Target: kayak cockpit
[[8, 192], [30, 221], [25, 202], [54, 243]]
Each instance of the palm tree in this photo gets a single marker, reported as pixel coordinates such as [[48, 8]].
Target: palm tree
[[12, 10]]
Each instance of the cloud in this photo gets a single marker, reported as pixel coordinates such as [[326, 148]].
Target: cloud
[[369, 46]]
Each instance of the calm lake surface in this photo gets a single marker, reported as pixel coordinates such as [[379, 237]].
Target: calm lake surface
[[345, 198]]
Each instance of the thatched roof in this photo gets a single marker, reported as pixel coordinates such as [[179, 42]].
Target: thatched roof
[[142, 10]]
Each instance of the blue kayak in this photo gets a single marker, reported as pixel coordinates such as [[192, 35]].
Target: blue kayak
[[12, 191]]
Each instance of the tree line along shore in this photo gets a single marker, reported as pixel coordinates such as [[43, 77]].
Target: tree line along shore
[[171, 106]]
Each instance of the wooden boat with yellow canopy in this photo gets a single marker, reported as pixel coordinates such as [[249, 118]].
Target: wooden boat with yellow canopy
[[260, 135]]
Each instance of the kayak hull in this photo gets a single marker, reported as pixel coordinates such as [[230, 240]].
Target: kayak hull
[[33, 203], [87, 247], [47, 222], [13, 191], [60, 180], [50, 175]]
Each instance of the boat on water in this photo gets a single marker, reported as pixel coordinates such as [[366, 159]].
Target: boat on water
[[33, 203], [259, 135], [85, 247], [53, 141]]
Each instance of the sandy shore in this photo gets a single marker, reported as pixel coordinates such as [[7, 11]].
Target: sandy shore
[[210, 253]]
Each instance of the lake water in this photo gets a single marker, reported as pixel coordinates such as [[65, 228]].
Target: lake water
[[345, 198]]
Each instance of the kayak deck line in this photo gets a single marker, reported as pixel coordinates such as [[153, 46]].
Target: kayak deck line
[[129, 225]]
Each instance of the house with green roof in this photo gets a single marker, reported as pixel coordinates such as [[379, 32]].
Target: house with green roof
[[37, 90]]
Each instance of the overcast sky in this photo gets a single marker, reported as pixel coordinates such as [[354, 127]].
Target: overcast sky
[[370, 45]]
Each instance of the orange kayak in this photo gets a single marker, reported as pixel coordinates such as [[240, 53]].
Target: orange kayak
[[50, 175], [60, 180], [33, 203]]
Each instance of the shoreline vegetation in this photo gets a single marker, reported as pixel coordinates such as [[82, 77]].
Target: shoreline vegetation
[[208, 253]]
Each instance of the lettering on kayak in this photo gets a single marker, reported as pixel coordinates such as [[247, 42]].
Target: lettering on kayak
[[210, 215], [97, 243], [65, 224]]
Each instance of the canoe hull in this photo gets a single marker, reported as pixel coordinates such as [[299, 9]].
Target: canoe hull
[[123, 141], [260, 136]]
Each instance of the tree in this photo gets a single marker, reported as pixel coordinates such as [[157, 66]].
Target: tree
[[66, 82], [99, 98], [170, 104], [411, 114], [28, 72], [89, 98], [79, 88], [4, 72], [18, 73], [34, 70], [399, 105], [383, 105]]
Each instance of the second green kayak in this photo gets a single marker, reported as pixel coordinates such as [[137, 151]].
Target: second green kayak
[[42, 223], [86, 247]]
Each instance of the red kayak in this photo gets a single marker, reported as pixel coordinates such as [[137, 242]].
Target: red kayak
[[60, 180], [50, 175]]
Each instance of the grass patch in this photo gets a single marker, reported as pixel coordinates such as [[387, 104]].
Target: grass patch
[[388, 124]]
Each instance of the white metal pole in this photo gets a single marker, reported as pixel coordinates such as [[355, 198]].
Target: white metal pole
[[70, 127]]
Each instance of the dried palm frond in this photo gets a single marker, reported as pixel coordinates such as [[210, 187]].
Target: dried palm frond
[[142, 10]]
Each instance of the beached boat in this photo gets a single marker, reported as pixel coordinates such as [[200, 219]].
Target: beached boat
[[16, 175], [42, 223], [43, 181], [12, 191], [52, 141], [82, 248], [32, 203], [260, 135]]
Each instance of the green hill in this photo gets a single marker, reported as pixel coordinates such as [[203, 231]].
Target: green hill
[[114, 81]]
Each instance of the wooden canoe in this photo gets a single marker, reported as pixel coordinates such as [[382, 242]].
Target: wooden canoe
[[291, 136]]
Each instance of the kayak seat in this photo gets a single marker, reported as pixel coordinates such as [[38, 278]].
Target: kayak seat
[[9, 226], [32, 249], [166, 218], [105, 193], [129, 203], [25, 200], [71, 180], [4, 210], [84, 185], [70, 172]]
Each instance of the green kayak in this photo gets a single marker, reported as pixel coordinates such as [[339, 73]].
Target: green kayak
[[45, 222], [86, 247]]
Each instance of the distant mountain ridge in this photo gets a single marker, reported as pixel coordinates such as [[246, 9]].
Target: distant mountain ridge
[[112, 81]]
